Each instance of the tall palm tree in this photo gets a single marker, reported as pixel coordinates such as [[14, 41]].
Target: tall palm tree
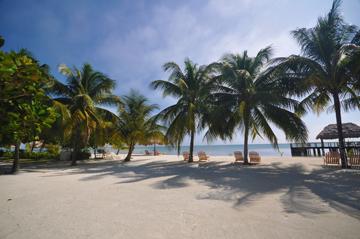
[[135, 124], [191, 87], [321, 72], [250, 99], [351, 64], [83, 94]]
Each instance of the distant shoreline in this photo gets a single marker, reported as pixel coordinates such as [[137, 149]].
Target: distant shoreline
[[216, 150]]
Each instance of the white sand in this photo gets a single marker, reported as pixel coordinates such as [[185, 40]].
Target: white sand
[[163, 197]]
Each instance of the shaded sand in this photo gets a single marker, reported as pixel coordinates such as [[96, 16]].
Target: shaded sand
[[163, 197]]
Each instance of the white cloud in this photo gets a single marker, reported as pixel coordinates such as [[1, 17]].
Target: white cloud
[[203, 34]]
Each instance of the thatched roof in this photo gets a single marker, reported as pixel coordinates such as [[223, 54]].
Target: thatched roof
[[350, 130]]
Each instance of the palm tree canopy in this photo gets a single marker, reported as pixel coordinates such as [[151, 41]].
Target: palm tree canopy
[[251, 97], [323, 67], [83, 94], [191, 87], [135, 121]]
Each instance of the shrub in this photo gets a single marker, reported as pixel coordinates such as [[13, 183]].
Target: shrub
[[39, 155], [53, 148]]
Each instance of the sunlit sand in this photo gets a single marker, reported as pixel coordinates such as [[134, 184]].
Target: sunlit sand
[[164, 197]]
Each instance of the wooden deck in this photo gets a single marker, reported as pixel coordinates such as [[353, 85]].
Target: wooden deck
[[319, 149]]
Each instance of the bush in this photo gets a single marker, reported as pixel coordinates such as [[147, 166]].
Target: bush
[[53, 148], [39, 155], [8, 154]]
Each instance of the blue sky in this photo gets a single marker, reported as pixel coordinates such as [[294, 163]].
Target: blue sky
[[130, 40]]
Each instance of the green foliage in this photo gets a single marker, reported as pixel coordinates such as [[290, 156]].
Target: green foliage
[[250, 98], [101, 135], [329, 64], [135, 123], [191, 88], [27, 147], [33, 155], [53, 149], [25, 109], [79, 100], [116, 140], [327, 71]]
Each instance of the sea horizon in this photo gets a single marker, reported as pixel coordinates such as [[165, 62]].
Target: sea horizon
[[216, 150]]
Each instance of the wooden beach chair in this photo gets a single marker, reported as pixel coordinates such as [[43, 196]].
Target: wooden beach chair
[[238, 156], [254, 157], [186, 155], [156, 152], [332, 158], [202, 156], [147, 152], [354, 159]]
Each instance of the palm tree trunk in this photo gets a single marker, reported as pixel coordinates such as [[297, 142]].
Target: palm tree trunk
[[32, 147], [192, 136], [15, 166], [340, 132], [94, 152], [117, 152], [128, 156], [74, 156], [246, 138]]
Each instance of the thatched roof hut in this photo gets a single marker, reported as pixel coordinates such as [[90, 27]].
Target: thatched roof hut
[[350, 130]]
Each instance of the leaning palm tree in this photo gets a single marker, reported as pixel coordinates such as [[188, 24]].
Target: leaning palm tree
[[321, 72], [250, 99], [135, 124], [191, 87], [83, 94]]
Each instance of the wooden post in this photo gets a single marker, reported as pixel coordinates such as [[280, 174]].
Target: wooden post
[[322, 147]]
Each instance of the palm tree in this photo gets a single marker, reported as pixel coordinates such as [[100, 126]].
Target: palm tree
[[250, 99], [135, 125], [191, 87], [321, 72], [83, 93], [351, 64]]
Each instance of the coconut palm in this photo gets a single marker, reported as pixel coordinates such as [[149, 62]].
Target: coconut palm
[[191, 87], [83, 94], [321, 72], [351, 64], [135, 124], [250, 99]]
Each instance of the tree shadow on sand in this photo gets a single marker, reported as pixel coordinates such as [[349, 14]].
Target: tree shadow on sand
[[303, 192]]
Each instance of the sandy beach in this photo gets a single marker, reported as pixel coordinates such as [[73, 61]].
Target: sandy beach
[[164, 197]]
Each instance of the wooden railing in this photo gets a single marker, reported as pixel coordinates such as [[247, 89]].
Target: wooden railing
[[326, 145]]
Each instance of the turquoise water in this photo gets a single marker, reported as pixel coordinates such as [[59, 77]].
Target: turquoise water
[[228, 149]]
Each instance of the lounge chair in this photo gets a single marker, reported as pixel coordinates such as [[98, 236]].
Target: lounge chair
[[147, 152], [354, 160], [238, 156], [186, 155], [332, 158], [156, 152], [202, 156], [254, 157]]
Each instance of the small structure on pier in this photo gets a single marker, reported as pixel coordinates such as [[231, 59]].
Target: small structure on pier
[[350, 130]]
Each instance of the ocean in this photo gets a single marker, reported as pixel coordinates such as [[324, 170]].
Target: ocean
[[227, 149]]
